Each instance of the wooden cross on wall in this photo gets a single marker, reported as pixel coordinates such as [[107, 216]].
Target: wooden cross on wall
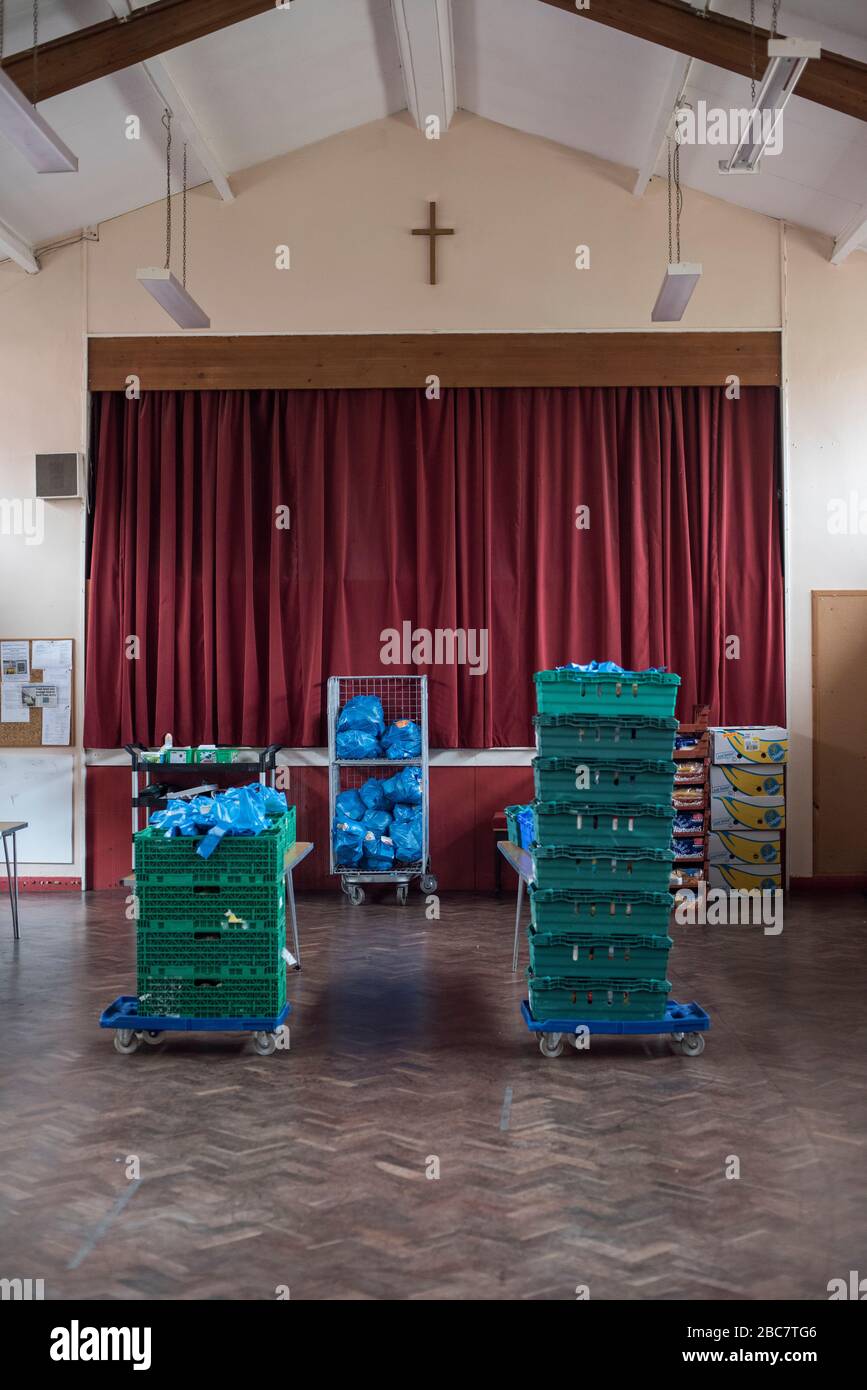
[[433, 231]]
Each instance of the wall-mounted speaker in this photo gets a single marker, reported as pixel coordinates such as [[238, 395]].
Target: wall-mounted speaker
[[58, 476]]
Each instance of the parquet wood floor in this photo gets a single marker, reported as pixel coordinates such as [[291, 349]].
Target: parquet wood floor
[[308, 1169]]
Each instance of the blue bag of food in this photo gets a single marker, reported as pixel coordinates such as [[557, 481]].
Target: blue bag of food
[[404, 786], [364, 714], [380, 821], [348, 840], [407, 837], [378, 852], [402, 739], [401, 812], [348, 805], [372, 795], [353, 743], [273, 803]]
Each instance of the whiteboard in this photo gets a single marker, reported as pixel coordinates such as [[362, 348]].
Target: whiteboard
[[37, 787]]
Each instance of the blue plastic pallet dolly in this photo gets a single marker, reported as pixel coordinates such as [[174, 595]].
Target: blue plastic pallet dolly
[[685, 1023], [133, 1028]]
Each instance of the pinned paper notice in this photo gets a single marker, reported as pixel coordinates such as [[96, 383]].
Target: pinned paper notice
[[57, 654], [56, 717], [12, 708]]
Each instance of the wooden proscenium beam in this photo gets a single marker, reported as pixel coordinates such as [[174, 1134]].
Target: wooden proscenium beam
[[832, 80], [102, 49], [214, 363]]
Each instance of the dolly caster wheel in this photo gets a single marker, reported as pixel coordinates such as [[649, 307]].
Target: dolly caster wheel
[[428, 883], [153, 1039], [126, 1041], [692, 1044], [551, 1044], [264, 1043], [356, 895]]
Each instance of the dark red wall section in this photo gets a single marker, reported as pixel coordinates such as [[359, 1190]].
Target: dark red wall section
[[464, 801]]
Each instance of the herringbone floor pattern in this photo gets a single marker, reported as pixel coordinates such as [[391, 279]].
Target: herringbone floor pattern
[[308, 1169]]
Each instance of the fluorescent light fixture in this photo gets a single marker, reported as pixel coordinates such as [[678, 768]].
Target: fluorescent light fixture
[[24, 128], [677, 287], [170, 294], [788, 58]]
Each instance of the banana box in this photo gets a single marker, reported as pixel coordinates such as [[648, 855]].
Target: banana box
[[757, 744], [747, 813], [736, 779], [747, 846], [745, 876]]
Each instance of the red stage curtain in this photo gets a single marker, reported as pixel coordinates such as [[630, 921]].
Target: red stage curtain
[[456, 513]]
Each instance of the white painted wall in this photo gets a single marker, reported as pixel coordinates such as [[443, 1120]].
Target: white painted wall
[[520, 206], [42, 326], [826, 352]]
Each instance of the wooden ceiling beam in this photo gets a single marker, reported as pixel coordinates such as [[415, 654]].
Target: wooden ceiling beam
[[834, 81], [102, 49]]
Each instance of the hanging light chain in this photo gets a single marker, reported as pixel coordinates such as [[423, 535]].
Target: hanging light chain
[[35, 51], [669, 202], [184, 223], [775, 12], [2, 24], [678, 198], [167, 122]]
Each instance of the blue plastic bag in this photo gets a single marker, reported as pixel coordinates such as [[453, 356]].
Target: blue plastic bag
[[372, 795], [236, 811], [525, 826], [401, 812], [364, 714], [402, 739], [407, 837], [378, 852], [348, 840], [348, 805], [380, 821], [610, 668], [404, 786], [353, 743]]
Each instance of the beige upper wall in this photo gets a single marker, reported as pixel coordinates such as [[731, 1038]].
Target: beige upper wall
[[520, 206]]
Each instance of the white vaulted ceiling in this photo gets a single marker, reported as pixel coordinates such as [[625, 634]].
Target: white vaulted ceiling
[[289, 78]]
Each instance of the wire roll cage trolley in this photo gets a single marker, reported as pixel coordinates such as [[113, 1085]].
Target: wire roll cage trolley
[[402, 697]]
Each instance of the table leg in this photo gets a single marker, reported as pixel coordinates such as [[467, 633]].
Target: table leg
[[290, 892], [518, 923], [12, 882]]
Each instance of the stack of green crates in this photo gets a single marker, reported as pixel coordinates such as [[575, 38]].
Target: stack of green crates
[[212, 932], [600, 904]]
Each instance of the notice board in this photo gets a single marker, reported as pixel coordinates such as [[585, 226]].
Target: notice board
[[38, 702]]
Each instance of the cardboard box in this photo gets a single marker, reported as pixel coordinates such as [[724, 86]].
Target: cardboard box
[[748, 813], [737, 779], [745, 876], [751, 744], [758, 847]]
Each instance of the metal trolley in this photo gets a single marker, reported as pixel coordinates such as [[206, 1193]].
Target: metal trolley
[[403, 697]]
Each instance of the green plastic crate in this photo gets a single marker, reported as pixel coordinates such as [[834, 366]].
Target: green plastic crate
[[212, 997], [598, 953], [209, 903], [562, 866], [577, 909], [581, 997], [238, 859], [557, 779], [576, 736], [602, 692], [234, 953], [583, 824]]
